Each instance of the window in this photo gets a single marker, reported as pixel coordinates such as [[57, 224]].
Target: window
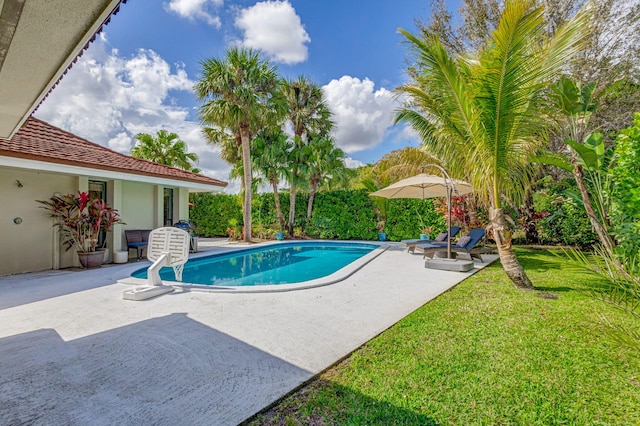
[[168, 206]]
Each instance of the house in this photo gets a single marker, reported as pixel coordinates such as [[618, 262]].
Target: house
[[41, 160]]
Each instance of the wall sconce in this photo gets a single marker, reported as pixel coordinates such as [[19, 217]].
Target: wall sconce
[[19, 184]]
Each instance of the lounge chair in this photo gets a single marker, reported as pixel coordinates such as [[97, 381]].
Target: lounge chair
[[465, 244], [441, 239]]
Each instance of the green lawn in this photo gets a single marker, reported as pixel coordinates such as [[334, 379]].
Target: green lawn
[[484, 353]]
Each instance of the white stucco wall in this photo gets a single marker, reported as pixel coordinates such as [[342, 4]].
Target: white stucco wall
[[32, 245], [29, 246]]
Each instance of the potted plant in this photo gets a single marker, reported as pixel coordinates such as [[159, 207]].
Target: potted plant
[[382, 236], [425, 232], [80, 221]]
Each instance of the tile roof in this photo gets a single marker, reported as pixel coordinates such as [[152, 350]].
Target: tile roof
[[40, 141]]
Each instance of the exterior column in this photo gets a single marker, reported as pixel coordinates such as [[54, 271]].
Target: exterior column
[[158, 209], [115, 240]]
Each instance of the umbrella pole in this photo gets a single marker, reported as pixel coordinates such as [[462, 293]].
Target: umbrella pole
[[449, 221]]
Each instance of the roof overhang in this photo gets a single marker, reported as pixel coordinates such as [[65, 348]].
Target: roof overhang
[[39, 39], [43, 166]]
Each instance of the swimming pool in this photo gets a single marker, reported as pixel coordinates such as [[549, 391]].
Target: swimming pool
[[274, 267]]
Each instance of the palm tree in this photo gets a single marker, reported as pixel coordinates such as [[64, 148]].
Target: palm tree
[[324, 160], [237, 92], [270, 154], [165, 148], [308, 114], [483, 117]]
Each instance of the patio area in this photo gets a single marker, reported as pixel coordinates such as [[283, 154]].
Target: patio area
[[73, 352]]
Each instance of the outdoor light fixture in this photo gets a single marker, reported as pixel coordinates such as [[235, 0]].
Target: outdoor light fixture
[[19, 184]]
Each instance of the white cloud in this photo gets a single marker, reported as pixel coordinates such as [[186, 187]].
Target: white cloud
[[352, 164], [362, 114], [108, 99], [196, 10], [275, 28], [121, 142]]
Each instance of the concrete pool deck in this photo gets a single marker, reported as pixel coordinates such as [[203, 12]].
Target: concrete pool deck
[[72, 352]]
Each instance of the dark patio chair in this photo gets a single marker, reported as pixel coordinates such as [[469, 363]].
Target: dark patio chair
[[466, 244], [137, 239], [440, 240]]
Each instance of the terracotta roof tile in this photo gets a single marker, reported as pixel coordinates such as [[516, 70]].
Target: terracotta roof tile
[[38, 140]]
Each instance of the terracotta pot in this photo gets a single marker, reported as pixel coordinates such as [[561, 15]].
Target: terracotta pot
[[92, 259]]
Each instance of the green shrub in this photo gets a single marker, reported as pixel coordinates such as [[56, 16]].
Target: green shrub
[[407, 217], [211, 213], [625, 194], [567, 222], [344, 215]]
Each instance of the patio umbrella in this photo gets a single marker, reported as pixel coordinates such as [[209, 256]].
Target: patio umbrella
[[424, 186]]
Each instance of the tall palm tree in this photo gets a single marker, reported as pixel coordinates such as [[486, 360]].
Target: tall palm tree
[[165, 148], [308, 114], [270, 154], [237, 92], [324, 160], [483, 117]]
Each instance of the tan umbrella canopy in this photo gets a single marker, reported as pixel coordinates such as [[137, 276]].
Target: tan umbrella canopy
[[427, 186], [423, 186]]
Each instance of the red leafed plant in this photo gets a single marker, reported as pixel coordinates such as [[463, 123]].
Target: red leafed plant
[[80, 219]]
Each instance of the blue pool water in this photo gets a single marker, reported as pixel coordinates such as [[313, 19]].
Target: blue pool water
[[278, 264]]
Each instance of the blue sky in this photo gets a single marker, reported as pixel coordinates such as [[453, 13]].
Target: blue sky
[[138, 75]]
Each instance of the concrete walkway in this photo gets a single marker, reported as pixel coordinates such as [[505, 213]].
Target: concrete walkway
[[72, 352]]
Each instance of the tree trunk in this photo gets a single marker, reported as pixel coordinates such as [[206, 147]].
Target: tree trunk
[[292, 207], [604, 236], [312, 194], [246, 164], [276, 200], [527, 211], [510, 263], [472, 210]]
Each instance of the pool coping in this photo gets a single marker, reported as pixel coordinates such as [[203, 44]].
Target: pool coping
[[340, 275]]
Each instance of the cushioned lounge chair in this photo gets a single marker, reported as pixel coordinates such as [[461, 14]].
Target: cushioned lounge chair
[[441, 239], [466, 244]]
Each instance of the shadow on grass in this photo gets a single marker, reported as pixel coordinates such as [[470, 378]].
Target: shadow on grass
[[323, 402]]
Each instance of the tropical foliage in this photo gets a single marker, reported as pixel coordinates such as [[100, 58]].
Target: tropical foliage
[[239, 95], [481, 117], [80, 219], [165, 148], [625, 194], [308, 114]]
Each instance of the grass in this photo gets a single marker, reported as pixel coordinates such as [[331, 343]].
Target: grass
[[484, 353]]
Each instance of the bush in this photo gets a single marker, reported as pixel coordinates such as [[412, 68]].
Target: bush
[[407, 217], [344, 215], [211, 213], [625, 194], [567, 222]]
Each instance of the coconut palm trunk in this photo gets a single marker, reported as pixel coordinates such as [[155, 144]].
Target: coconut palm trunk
[[312, 195], [276, 201], [510, 263], [246, 162], [292, 207]]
